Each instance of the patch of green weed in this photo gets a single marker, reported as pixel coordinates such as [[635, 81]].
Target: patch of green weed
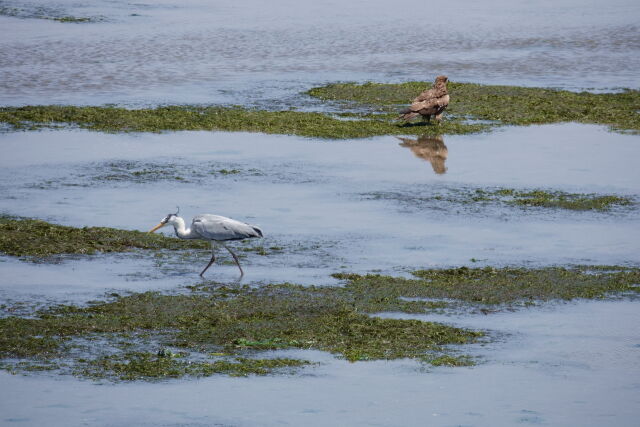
[[507, 285], [507, 196], [47, 13], [31, 237], [224, 320], [132, 366], [449, 360], [500, 105], [174, 118], [233, 320], [571, 201], [473, 108]]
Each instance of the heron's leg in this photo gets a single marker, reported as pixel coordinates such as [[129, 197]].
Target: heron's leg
[[213, 257], [427, 118], [235, 258]]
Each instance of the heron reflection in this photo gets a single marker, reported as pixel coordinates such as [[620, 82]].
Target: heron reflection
[[429, 148]]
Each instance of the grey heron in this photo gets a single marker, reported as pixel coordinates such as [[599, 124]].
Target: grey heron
[[215, 228]]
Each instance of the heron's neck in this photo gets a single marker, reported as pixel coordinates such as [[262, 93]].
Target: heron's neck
[[181, 231]]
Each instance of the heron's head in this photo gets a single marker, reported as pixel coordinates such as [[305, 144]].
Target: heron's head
[[169, 219]]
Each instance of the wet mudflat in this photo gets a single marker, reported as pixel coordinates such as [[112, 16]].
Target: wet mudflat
[[353, 227], [356, 206], [557, 366]]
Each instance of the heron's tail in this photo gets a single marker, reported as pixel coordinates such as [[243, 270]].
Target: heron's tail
[[257, 230]]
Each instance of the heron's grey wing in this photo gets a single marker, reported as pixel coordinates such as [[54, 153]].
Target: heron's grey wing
[[216, 227]]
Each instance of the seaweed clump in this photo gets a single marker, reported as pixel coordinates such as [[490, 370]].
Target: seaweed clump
[[500, 105], [175, 118], [131, 366], [219, 330], [536, 198], [31, 237], [47, 13], [495, 286], [563, 200], [473, 108]]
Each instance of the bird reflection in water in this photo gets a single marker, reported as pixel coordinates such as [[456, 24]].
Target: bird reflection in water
[[429, 148]]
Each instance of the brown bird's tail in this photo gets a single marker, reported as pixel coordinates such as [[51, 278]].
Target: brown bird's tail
[[407, 115]]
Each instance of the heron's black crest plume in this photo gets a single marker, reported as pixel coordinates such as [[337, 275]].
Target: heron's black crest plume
[[168, 217]]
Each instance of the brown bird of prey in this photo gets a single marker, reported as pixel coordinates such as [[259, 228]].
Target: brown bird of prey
[[431, 102], [429, 148]]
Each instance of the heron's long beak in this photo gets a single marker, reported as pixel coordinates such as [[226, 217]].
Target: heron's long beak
[[157, 227]]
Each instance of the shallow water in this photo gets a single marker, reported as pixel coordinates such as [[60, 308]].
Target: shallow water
[[570, 364], [358, 206], [560, 364], [257, 53]]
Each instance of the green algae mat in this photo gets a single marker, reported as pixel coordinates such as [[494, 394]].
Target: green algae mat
[[32, 237], [238, 330], [358, 111]]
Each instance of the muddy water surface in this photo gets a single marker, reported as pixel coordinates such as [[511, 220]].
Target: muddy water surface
[[257, 53], [374, 205], [572, 364], [360, 206]]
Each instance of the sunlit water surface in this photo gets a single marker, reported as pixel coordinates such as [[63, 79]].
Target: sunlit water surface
[[572, 364], [265, 53], [357, 206], [556, 365]]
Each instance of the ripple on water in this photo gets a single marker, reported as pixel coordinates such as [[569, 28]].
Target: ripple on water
[[196, 52]]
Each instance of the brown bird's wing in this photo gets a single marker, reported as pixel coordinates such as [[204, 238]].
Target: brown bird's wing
[[430, 106], [426, 95], [430, 102], [426, 105]]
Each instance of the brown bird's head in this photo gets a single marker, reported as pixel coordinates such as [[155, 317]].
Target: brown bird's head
[[441, 79]]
